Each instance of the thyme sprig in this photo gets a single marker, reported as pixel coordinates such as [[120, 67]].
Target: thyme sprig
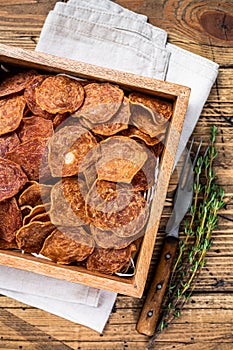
[[198, 228]]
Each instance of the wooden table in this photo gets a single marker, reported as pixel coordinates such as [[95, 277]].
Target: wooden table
[[205, 28]]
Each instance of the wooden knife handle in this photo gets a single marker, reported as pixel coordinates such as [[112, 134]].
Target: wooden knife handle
[[151, 308]]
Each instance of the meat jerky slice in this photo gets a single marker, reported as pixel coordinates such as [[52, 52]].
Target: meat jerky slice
[[68, 244], [59, 94], [102, 101], [11, 113], [35, 194], [30, 96], [161, 109], [70, 151], [108, 240], [43, 217], [12, 179], [61, 213], [117, 123], [134, 133], [39, 209], [145, 177], [7, 143], [90, 175], [31, 237], [29, 155], [143, 119], [121, 158], [109, 261], [16, 83], [116, 207], [33, 127], [10, 218], [75, 192], [8, 245]]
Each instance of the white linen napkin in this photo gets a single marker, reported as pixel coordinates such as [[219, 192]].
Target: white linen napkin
[[104, 33]]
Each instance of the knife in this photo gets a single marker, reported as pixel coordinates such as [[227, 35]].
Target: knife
[[184, 194]]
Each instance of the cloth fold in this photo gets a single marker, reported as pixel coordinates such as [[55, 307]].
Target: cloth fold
[[106, 34]]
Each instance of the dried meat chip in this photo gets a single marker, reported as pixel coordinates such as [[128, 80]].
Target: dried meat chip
[[39, 209], [109, 261], [70, 151], [102, 101], [30, 238], [61, 213], [10, 218], [120, 159], [117, 123], [116, 207], [75, 192], [145, 177], [33, 127], [12, 179], [108, 240], [16, 83], [134, 133], [7, 143], [59, 119], [30, 96], [29, 156], [11, 113], [8, 245], [35, 194], [161, 109], [67, 245], [143, 119], [43, 217], [59, 94], [90, 175]]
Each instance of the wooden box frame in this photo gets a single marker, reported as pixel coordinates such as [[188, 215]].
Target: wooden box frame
[[133, 286]]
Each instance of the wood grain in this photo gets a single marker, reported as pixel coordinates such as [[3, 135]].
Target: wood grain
[[206, 323]]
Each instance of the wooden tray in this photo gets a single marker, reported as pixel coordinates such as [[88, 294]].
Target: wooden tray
[[132, 286]]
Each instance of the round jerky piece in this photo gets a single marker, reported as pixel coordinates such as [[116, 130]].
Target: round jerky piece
[[134, 133], [61, 213], [29, 155], [59, 94], [43, 217], [117, 123], [75, 192], [11, 113], [70, 151], [39, 209], [35, 194], [108, 240], [31, 237], [12, 179], [143, 119], [161, 109], [145, 177], [66, 245], [8, 245], [116, 207], [120, 159], [102, 101], [7, 143], [109, 261], [34, 127], [10, 218], [30, 96], [16, 83]]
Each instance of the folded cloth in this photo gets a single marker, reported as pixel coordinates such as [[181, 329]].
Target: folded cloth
[[108, 35], [92, 317], [96, 44]]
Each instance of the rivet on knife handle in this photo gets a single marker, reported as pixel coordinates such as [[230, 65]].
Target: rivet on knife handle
[[151, 308]]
